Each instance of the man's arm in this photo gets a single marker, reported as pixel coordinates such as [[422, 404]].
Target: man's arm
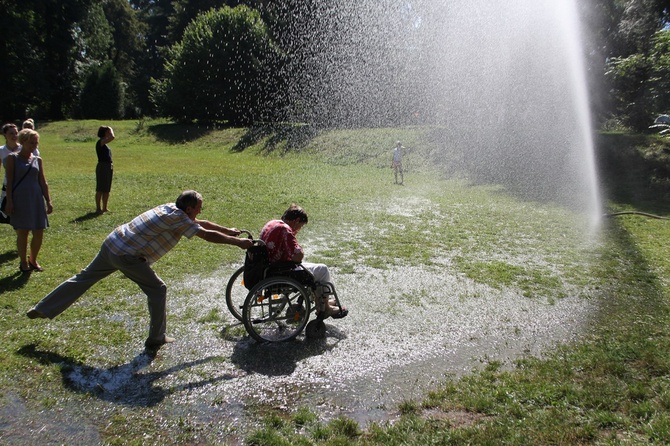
[[216, 236], [218, 228]]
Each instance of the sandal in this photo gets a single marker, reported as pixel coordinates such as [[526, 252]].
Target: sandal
[[342, 312], [34, 266], [25, 271]]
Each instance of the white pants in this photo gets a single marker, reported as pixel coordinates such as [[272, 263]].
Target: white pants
[[322, 275], [318, 270]]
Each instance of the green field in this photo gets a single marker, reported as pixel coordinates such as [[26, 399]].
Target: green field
[[613, 387]]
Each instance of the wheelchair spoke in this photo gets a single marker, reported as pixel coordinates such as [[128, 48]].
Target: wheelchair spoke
[[277, 309]]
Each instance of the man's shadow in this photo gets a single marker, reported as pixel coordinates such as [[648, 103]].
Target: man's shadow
[[16, 280], [123, 384], [280, 358]]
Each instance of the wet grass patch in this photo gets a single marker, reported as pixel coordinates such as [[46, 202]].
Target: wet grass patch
[[498, 274]]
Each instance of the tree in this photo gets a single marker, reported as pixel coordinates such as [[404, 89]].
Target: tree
[[111, 31], [641, 83], [165, 22], [154, 15], [40, 56], [220, 71], [102, 96], [56, 90], [639, 22], [619, 38], [659, 79], [128, 53], [185, 11], [95, 36], [16, 66]]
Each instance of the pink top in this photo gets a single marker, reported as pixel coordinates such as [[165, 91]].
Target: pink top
[[280, 240]]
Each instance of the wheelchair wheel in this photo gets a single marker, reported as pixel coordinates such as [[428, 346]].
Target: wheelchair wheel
[[276, 309], [236, 293]]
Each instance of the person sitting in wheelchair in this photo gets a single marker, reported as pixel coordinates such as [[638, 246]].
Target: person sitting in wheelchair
[[280, 238]]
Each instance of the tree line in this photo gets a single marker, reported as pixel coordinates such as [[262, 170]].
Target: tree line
[[243, 62]]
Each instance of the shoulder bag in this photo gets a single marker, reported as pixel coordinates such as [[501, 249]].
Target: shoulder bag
[[4, 218]]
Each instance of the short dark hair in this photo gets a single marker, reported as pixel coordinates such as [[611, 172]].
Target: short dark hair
[[294, 211], [188, 198], [102, 131], [6, 127]]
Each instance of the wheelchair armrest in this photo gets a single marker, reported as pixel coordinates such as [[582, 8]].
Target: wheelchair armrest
[[293, 270], [278, 267]]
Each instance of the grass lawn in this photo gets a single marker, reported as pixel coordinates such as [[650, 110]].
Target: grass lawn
[[612, 387]]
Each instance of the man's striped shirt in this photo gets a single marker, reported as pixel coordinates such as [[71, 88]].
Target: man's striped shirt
[[152, 234]]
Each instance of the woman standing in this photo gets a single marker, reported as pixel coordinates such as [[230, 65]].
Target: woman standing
[[104, 170], [27, 190]]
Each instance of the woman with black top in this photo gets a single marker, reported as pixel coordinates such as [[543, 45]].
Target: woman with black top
[[104, 170]]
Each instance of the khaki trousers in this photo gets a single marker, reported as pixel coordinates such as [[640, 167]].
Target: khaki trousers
[[105, 263]]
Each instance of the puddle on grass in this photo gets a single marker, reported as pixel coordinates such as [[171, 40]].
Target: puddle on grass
[[407, 329]]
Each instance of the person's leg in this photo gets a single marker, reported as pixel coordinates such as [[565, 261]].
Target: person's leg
[[105, 199], [140, 272], [22, 248], [104, 172], [321, 274], [402, 180], [35, 245], [320, 271], [99, 187], [98, 199], [69, 291]]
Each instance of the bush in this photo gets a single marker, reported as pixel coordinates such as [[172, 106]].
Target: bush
[[220, 71]]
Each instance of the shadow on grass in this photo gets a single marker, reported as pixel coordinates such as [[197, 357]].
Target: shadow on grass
[[178, 133], [122, 384], [288, 137], [14, 281], [85, 217], [8, 256], [280, 359]]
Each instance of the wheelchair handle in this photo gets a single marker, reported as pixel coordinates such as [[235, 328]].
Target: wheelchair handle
[[257, 242], [249, 236]]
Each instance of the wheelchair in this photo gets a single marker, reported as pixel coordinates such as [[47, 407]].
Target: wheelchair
[[277, 308]]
